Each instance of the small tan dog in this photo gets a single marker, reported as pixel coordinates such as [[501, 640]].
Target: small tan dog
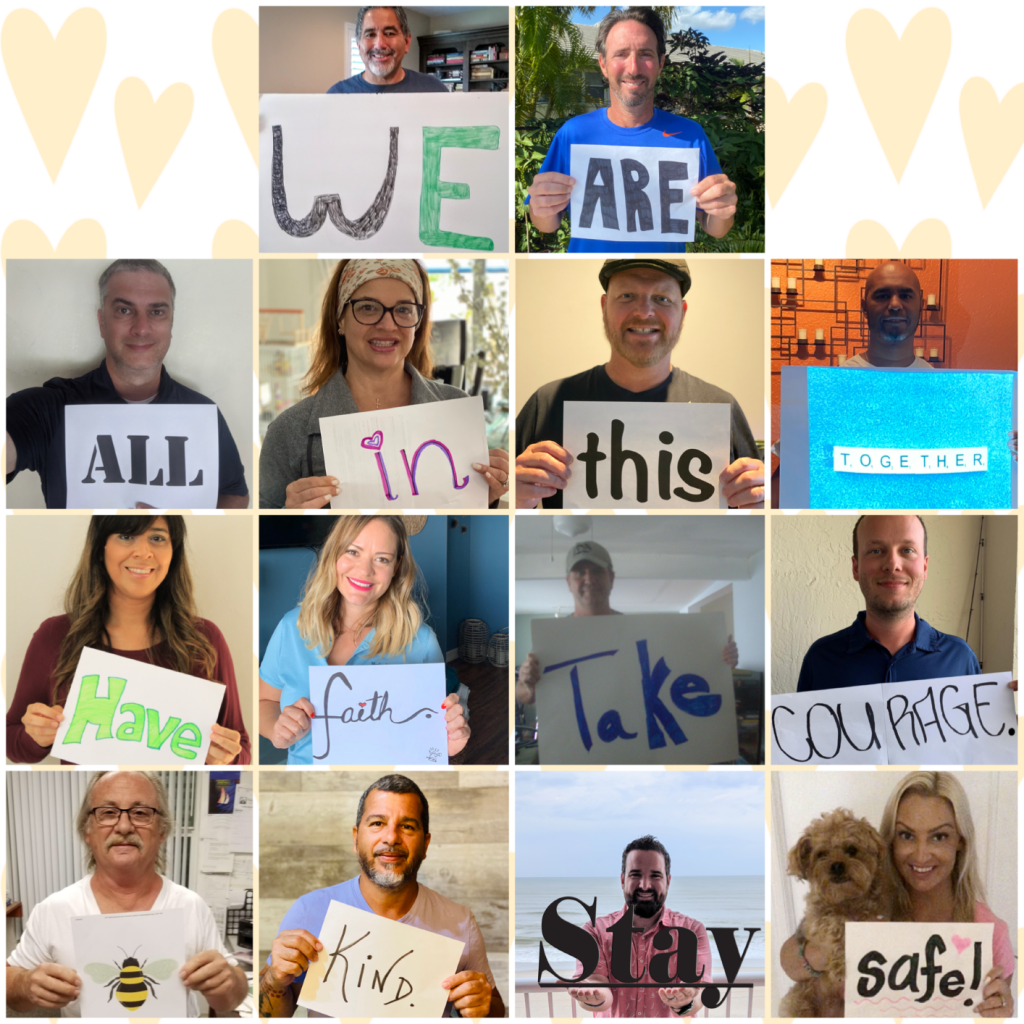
[[846, 863]]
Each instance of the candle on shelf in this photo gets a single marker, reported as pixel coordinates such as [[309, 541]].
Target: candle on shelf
[[802, 334], [791, 284], [931, 301], [933, 353], [842, 359], [819, 264], [819, 336], [776, 284], [919, 352]]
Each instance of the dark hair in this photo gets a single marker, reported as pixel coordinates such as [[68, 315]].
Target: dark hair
[[645, 15], [134, 267], [919, 519], [403, 21], [647, 843], [395, 784]]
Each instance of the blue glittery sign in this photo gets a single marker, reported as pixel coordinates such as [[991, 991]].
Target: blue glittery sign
[[857, 438]]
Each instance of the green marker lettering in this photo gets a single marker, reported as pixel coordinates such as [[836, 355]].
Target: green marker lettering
[[186, 736], [154, 735], [93, 710], [433, 189], [133, 730]]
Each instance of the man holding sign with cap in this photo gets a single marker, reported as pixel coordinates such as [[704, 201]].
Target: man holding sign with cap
[[135, 318], [643, 308], [631, 55]]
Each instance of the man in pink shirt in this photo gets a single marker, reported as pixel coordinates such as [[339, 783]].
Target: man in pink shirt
[[645, 878]]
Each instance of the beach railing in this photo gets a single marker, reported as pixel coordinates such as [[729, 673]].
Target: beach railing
[[736, 1000]]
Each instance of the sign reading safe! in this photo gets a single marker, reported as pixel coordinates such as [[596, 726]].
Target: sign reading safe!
[[165, 456]]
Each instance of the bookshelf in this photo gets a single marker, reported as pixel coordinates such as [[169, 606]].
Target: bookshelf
[[465, 68]]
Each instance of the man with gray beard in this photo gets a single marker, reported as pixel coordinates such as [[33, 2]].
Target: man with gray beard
[[390, 838], [643, 307]]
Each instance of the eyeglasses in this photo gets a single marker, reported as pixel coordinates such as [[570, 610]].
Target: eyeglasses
[[141, 816], [370, 311]]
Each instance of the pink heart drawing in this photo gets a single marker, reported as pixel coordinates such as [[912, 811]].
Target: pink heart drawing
[[362, 704], [960, 942], [374, 442]]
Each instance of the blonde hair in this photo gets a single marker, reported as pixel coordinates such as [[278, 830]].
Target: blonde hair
[[329, 353], [398, 615], [967, 887]]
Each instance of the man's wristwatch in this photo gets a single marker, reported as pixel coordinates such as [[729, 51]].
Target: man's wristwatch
[[683, 1009]]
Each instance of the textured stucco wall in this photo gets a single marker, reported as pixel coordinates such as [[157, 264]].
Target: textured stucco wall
[[814, 593]]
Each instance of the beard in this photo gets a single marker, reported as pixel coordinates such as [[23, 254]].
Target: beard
[[893, 608], [382, 63], [640, 358], [631, 97], [386, 876], [645, 908]]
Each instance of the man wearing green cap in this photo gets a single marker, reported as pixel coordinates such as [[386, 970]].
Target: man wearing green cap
[[643, 309]]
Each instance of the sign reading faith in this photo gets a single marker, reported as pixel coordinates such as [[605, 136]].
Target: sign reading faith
[[122, 711], [420, 456], [842, 447], [130, 961], [916, 970], [378, 714], [635, 689], [381, 174], [165, 456], [633, 193], [374, 967], [957, 720], [645, 454]]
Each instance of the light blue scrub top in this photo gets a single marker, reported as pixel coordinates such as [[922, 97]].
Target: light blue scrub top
[[287, 661]]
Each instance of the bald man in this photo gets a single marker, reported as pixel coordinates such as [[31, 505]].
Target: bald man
[[891, 305], [888, 642]]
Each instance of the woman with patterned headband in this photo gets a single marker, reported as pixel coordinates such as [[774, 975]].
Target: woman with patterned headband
[[372, 351]]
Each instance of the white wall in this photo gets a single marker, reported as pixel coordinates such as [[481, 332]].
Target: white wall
[[45, 549], [749, 617], [798, 797], [52, 332], [559, 331]]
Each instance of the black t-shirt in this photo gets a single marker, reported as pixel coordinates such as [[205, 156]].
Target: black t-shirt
[[541, 418], [35, 421]]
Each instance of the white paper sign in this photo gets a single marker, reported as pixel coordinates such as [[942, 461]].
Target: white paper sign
[[634, 193], [645, 454], [167, 456], [635, 689], [384, 174], [916, 970], [128, 964], [420, 456], [956, 720], [374, 967], [378, 714], [122, 711]]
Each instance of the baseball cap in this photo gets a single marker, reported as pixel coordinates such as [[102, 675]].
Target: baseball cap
[[674, 268], [587, 551]]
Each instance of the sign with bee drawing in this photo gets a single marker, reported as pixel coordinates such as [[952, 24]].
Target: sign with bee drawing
[[129, 964], [378, 714], [374, 967]]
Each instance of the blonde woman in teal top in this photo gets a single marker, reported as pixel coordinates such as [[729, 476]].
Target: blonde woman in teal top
[[359, 607]]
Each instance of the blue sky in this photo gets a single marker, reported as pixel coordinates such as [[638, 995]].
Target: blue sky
[[576, 824], [742, 27]]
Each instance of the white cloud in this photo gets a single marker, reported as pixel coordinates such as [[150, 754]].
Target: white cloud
[[703, 18], [752, 14]]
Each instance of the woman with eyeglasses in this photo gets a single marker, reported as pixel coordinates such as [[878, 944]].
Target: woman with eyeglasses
[[372, 351], [131, 595]]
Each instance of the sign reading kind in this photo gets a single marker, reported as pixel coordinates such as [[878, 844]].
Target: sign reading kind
[[909, 460]]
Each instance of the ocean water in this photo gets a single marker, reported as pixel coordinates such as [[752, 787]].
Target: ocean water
[[729, 901]]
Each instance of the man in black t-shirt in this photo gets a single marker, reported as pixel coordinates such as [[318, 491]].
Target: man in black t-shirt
[[135, 318], [643, 308]]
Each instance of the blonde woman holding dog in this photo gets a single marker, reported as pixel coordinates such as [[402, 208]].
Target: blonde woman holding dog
[[928, 829], [359, 608]]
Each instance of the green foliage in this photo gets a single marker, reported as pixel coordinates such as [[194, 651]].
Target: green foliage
[[551, 62], [532, 141]]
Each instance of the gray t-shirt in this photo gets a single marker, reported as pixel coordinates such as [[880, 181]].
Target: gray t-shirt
[[860, 362], [414, 81]]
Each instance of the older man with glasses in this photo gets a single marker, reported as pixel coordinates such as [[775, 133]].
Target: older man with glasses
[[123, 821]]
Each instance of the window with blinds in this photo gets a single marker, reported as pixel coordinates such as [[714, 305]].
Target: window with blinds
[[355, 62]]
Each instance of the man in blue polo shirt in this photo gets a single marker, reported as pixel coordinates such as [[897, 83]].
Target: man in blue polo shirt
[[631, 54], [889, 642]]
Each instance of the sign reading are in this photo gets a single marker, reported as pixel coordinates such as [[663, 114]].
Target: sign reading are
[[633, 193], [645, 454], [378, 174], [419, 456], [165, 456], [122, 711]]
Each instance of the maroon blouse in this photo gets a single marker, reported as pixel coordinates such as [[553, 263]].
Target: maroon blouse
[[35, 685]]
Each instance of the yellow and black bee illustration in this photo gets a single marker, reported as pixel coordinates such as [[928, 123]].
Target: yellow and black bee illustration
[[127, 979]]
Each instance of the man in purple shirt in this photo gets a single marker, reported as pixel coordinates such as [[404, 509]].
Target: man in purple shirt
[[645, 878]]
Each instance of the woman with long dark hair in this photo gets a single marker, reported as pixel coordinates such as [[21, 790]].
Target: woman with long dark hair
[[131, 595]]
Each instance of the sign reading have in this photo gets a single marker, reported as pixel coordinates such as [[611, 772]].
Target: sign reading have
[[374, 967], [916, 970], [645, 454], [378, 714], [635, 689], [167, 456], [420, 456], [633, 193], [379, 174], [122, 711], [957, 720]]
